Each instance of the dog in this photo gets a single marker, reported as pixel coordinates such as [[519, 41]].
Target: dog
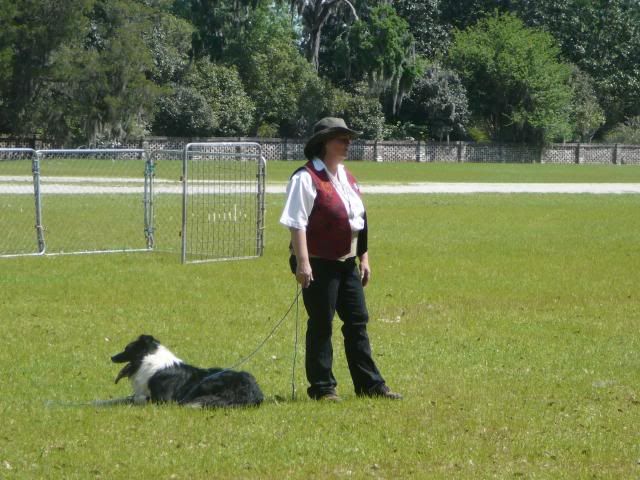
[[158, 376]]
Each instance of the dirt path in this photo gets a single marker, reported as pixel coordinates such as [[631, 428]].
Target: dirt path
[[78, 185]]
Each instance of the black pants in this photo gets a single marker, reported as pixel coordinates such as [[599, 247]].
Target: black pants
[[336, 287]]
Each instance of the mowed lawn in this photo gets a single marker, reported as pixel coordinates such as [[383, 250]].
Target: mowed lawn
[[366, 172], [509, 322]]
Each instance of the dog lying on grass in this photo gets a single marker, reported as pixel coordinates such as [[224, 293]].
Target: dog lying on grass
[[158, 376]]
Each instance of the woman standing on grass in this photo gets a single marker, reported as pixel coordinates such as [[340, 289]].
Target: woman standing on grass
[[328, 227]]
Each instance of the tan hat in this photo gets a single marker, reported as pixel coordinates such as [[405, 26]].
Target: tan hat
[[325, 129]]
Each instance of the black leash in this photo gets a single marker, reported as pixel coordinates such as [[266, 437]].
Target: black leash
[[129, 400], [256, 350]]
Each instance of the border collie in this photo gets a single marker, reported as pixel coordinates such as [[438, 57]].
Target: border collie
[[158, 376]]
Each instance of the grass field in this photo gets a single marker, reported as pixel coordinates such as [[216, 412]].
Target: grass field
[[366, 172], [509, 322]]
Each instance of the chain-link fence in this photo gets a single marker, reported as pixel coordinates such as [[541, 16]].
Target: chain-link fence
[[19, 224], [205, 201], [94, 200], [167, 199]]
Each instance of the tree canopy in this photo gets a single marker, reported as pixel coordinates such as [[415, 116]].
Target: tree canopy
[[91, 71]]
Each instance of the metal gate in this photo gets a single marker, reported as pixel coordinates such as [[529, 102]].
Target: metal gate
[[20, 217], [223, 201], [80, 200]]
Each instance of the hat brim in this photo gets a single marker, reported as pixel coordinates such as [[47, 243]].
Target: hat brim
[[311, 148]]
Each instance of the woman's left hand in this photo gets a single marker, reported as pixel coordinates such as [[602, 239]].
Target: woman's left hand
[[365, 270]]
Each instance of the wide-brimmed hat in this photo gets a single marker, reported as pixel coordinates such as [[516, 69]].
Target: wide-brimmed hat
[[325, 129]]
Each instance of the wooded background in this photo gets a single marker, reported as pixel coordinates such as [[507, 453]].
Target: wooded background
[[90, 72]]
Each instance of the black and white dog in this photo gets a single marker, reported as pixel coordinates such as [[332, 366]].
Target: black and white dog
[[157, 375]]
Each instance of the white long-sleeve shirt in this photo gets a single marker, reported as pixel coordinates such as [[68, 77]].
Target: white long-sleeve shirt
[[301, 194]]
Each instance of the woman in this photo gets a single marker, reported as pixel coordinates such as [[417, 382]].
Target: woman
[[328, 227]]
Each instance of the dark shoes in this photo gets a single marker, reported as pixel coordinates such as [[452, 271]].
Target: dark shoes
[[329, 397], [381, 391], [326, 396]]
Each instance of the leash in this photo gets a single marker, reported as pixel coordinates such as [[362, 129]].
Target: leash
[[256, 350], [295, 346], [129, 400]]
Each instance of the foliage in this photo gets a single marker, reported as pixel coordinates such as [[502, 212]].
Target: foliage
[[99, 89], [34, 30], [602, 38], [170, 43], [223, 89], [360, 109], [85, 70], [215, 23], [277, 78], [627, 132], [184, 112], [439, 101], [314, 15], [8, 10], [587, 115], [514, 79], [209, 101], [380, 50], [424, 19]]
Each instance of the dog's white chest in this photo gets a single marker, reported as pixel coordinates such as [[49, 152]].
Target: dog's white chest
[[151, 364]]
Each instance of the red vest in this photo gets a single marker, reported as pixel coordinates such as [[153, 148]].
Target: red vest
[[328, 230]]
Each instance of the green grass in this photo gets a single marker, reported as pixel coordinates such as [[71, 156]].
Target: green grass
[[366, 172], [372, 172], [509, 322]]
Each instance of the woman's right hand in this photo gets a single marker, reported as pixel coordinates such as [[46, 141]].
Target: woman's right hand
[[304, 275]]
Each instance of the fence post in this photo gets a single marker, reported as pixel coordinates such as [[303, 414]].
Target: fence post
[[615, 154], [376, 153], [286, 149], [459, 154], [578, 154], [418, 153]]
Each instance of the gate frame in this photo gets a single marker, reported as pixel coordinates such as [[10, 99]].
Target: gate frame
[[35, 172], [261, 174], [41, 229]]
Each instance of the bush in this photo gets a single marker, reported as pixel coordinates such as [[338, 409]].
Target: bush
[[184, 112], [210, 101], [627, 132]]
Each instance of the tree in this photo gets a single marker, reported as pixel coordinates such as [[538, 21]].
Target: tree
[[7, 41], [380, 49], [438, 100], [99, 86], [361, 111], [626, 132], [215, 22], [514, 79], [32, 30], [460, 14], [223, 89], [424, 19], [279, 80], [314, 15], [602, 38], [586, 114], [184, 112], [169, 41]]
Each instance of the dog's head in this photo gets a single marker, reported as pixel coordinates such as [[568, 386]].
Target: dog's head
[[134, 353]]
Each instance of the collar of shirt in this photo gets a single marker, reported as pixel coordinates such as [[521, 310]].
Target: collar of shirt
[[319, 165]]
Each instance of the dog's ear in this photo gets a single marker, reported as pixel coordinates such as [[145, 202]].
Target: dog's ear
[[147, 340]]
